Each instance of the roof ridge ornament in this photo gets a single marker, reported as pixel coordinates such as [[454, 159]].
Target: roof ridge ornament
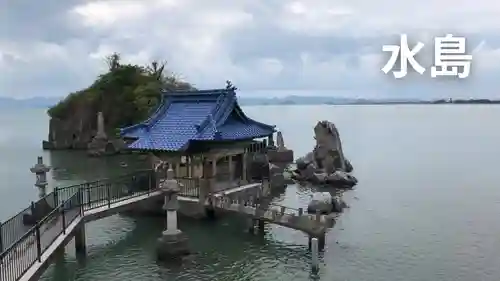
[[212, 121], [217, 133], [230, 86]]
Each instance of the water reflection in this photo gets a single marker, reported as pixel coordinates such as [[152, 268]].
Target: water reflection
[[228, 253], [73, 167], [121, 247], [406, 158]]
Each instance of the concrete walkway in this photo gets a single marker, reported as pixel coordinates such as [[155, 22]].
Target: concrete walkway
[[21, 263], [239, 200], [314, 225]]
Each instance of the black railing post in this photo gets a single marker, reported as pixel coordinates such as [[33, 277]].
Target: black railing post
[[38, 242], [88, 195], [108, 190], [62, 212], [150, 181], [34, 216], [56, 196], [80, 200]]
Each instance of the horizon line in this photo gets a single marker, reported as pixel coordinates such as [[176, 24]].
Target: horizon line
[[291, 96]]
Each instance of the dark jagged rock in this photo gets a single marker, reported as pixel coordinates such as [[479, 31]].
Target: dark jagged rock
[[325, 203], [348, 166], [301, 164], [326, 164]]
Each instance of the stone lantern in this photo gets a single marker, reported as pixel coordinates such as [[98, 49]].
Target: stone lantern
[[41, 170], [280, 142], [270, 142], [173, 242]]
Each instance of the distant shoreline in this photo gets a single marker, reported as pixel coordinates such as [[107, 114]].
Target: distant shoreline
[[289, 100], [454, 102]]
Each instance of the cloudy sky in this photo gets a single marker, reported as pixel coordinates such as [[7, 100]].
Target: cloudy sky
[[266, 47]]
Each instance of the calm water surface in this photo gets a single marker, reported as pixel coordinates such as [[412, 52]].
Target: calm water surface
[[425, 209]]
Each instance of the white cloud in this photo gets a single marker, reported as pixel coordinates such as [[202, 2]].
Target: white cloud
[[486, 58], [103, 14], [260, 45], [361, 17], [270, 66], [318, 17]]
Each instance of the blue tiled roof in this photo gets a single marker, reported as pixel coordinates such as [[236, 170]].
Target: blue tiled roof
[[194, 116]]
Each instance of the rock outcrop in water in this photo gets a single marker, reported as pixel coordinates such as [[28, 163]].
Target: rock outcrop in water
[[325, 203], [326, 164], [124, 95]]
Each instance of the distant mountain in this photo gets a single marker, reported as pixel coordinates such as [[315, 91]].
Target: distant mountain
[[43, 102], [303, 100], [36, 102]]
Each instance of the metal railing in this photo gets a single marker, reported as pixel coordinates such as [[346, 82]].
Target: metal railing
[[13, 228], [189, 187], [114, 189], [19, 224], [29, 248], [318, 222], [105, 192], [27, 235]]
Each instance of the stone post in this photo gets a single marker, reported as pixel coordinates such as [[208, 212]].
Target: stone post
[[244, 167], [189, 166], [178, 170], [280, 142], [214, 167], [204, 185], [41, 170], [270, 140], [212, 183], [80, 240], [231, 170], [173, 242], [314, 255], [97, 146], [266, 187], [101, 133]]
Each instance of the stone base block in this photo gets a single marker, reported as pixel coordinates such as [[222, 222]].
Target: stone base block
[[47, 145], [284, 156], [277, 181], [172, 244]]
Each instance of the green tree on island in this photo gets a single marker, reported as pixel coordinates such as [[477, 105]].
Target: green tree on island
[[126, 94]]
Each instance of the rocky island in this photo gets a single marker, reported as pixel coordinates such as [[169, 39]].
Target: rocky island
[[326, 164], [124, 95]]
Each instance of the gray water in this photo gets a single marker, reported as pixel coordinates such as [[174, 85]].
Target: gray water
[[425, 209]]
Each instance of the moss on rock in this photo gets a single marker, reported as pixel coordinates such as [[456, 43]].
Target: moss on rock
[[125, 94]]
